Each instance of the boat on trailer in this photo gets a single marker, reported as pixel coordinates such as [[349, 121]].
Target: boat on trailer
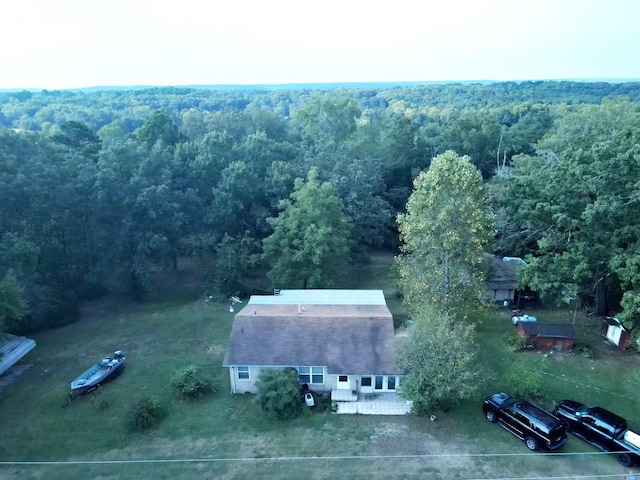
[[106, 369]]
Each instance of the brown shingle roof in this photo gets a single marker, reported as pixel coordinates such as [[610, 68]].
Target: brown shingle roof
[[504, 274], [347, 339]]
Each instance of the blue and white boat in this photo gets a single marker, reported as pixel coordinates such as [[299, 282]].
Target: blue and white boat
[[106, 369]]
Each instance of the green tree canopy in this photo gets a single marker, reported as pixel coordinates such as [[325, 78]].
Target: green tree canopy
[[574, 206], [159, 127], [311, 238], [439, 360], [444, 232], [13, 307], [327, 118]]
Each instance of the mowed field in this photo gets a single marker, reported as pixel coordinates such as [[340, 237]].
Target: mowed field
[[224, 436]]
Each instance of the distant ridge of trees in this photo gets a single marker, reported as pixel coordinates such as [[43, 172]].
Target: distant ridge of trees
[[317, 85]]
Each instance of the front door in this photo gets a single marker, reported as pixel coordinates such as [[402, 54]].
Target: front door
[[343, 382]]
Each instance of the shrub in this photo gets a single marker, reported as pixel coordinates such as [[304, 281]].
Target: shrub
[[191, 382], [49, 307], [518, 343], [583, 349], [323, 403], [144, 414], [279, 394], [400, 320], [525, 376], [421, 409]]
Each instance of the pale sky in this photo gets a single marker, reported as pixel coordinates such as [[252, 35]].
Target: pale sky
[[57, 44]]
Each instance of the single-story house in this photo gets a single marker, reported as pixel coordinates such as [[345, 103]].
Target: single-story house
[[549, 335], [339, 341], [12, 349], [613, 330]]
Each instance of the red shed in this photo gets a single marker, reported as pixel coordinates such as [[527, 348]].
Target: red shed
[[549, 335]]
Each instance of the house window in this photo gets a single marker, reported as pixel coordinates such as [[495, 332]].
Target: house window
[[378, 385], [304, 374], [343, 378], [311, 374], [243, 373], [391, 383], [366, 381]]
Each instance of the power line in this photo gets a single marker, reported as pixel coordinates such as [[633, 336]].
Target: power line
[[628, 476], [302, 458], [255, 287]]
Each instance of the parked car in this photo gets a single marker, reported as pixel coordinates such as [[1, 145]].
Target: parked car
[[531, 423], [601, 428]]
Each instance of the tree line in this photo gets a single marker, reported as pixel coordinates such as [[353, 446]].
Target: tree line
[[101, 189]]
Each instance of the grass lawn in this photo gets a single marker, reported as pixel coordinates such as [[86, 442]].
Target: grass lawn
[[225, 436]]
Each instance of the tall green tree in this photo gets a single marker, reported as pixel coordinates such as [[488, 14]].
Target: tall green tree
[[439, 360], [327, 118], [159, 127], [234, 257], [13, 307], [476, 133], [80, 137], [404, 153], [447, 225], [311, 238], [359, 184], [574, 206]]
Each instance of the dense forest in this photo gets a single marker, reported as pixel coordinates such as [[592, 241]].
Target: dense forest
[[101, 189]]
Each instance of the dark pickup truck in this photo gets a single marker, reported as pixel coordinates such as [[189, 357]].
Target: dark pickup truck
[[602, 429]]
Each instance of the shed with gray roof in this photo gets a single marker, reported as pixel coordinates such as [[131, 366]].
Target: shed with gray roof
[[549, 335]]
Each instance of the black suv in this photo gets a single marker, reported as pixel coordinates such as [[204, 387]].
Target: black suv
[[537, 427]]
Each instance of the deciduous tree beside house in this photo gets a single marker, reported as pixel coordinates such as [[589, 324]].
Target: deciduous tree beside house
[[444, 232], [439, 359]]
